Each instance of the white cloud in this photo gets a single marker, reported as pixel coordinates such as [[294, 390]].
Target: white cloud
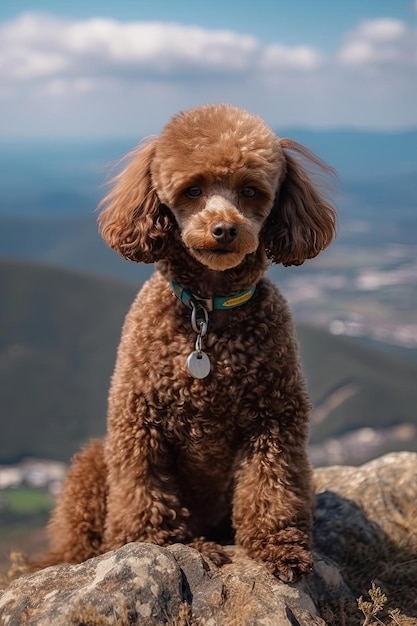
[[380, 41], [37, 45], [101, 75], [382, 29], [301, 57]]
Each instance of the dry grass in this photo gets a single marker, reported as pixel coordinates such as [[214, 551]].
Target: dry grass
[[88, 615], [374, 612], [383, 578], [17, 566]]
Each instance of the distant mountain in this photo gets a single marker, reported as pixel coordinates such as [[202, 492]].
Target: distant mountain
[[377, 388], [59, 332], [66, 242], [362, 154], [55, 178], [58, 337]]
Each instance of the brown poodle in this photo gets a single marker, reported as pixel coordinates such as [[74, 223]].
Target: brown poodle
[[208, 410]]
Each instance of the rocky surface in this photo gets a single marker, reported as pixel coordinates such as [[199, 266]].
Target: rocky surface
[[365, 519]]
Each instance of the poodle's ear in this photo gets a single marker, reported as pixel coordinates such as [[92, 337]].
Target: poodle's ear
[[302, 222], [132, 220]]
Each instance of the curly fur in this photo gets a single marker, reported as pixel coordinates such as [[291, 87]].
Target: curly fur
[[213, 200]]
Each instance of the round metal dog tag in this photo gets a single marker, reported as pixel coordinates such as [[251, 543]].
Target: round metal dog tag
[[198, 364]]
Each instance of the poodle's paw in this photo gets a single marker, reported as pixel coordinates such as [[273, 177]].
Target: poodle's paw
[[286, 554], [292, 565], [210, 550]]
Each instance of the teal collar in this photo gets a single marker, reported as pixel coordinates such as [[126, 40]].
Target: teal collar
[[214, 303]]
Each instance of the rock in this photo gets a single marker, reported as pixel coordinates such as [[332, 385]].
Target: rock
[[127, 583], [255, 597], [146, 584], [385, 489], [364, 519], [365, 526]]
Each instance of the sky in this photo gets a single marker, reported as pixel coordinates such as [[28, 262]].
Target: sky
[[101, 69]]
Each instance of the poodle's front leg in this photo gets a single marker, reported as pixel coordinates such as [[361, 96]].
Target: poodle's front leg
[[143, 502], [272, 509]]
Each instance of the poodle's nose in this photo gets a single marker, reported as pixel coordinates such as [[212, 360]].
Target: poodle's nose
[[224, 232]]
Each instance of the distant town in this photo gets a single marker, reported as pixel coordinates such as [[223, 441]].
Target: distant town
[[358, 446], [371, 295], [39, 473]]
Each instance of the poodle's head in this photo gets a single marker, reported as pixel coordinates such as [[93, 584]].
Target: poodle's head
[[220, 179]]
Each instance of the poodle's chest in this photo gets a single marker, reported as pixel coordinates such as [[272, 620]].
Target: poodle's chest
[[209, 415], [246, 349], [167, 347], [237, 366]]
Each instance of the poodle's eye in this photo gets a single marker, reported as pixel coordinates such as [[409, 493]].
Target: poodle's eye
[[248, 192], [194, 192]]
